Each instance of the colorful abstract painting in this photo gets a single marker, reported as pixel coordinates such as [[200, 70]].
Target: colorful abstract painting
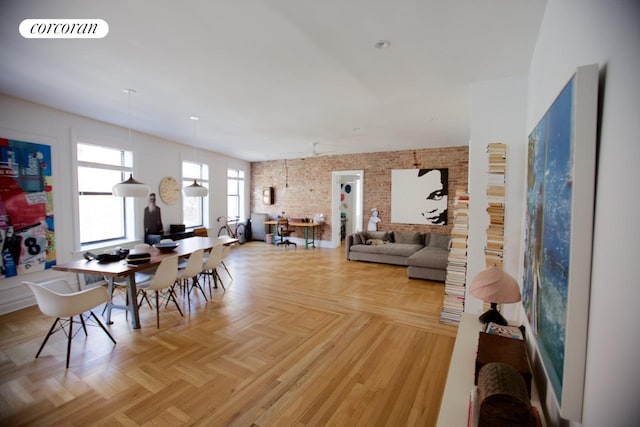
[[26, 208]]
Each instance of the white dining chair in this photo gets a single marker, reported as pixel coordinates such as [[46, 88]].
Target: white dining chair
[[191, 271], [226, 251], [163, 279], [140, 276], [56, 298], [210, 268]]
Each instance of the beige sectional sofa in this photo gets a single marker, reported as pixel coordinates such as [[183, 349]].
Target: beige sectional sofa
[[425, 254]]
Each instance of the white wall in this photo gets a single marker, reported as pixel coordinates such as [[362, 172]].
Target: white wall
[[154, 158], [580, 32], [498, 115]]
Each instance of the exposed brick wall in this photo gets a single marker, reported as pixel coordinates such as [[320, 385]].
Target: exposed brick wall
[[303, 186]]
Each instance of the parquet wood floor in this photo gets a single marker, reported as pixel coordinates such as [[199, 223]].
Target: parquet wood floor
[[299, 338]]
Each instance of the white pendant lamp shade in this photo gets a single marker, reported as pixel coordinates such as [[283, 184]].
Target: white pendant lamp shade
[[195, 190], [130, 187]]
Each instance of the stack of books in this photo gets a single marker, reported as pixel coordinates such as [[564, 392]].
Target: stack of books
[[497, 153], [454, 288]]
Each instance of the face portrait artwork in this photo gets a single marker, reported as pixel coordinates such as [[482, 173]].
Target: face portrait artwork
[[419, 196], [435, 202]]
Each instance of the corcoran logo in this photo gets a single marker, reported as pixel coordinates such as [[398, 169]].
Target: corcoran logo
[[64, 28]]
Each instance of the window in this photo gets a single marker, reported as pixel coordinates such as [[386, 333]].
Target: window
[[194, 209], [102, 217], [235, 193]]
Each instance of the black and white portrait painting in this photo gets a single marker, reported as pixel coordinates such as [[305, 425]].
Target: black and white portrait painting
[[419, 196]]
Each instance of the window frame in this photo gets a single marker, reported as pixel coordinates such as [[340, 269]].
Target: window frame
[[236, 176], [127, 206], [202, 176]]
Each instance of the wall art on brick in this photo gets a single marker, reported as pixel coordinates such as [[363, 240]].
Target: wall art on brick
[[419, 196], [26, 209]]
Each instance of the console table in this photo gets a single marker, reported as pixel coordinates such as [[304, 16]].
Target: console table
[[454, 409]]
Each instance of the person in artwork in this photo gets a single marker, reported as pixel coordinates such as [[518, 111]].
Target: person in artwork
[[152, 217], [434, 208], [373, 220]]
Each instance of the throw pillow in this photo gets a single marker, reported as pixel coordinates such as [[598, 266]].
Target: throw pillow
[[356, 239], [411, 237], [381, 235], [439, 240]]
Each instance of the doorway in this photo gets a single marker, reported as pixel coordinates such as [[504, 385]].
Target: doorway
[[346, 204]]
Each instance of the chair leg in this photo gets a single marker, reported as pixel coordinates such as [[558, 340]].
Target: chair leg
[[195, 284], [173, 298], [55, 323], [226, 269], [185, 286], [69, 339], [102, 326], [217, 279], [84, 327], [157, 310]]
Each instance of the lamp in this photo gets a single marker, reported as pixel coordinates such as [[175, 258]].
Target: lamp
[[495, 286], [130, 187], [195, 189]]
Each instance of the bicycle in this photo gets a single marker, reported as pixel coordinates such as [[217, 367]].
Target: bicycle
[[238, 232]]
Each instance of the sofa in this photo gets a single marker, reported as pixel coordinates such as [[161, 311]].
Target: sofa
[[424, 254]]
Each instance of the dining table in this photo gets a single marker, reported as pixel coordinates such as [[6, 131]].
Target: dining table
[[122, 269]]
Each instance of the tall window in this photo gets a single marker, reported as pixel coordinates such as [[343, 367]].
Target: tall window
[[235, 194], [102, 217], [194, 208]]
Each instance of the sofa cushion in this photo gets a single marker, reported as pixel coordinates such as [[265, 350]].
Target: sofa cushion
[[395, 249], [379, 235], [439, 241], [429, 257], [411, 237]]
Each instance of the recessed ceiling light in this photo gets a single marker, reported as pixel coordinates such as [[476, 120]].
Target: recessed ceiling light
[[382, 44]]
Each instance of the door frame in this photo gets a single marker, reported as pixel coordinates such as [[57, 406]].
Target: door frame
[[335, 202]]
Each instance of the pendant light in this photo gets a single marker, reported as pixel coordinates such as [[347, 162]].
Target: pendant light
[[195, 189], [130, 187]]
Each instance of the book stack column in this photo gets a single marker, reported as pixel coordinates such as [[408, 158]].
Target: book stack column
[[455, 281], [493, 251]]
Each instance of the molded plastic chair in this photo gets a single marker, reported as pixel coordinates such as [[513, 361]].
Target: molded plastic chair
[[164, 278], [191, 270], [56, 298], [226, 250], [141, 276], [210, 267]]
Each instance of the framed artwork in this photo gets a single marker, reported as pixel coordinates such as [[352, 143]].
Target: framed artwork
[[27, 239], [558, 235], [419, 196], [267, 195]]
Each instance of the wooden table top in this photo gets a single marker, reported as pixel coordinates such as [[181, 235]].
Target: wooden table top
[[304, 224], [276, 221], [121, 268]]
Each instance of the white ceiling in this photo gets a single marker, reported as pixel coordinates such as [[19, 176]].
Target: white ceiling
[[269, 78]]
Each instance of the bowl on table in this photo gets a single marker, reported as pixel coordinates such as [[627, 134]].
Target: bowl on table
[[166, 247]]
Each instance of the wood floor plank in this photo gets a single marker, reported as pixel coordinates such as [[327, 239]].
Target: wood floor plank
[[299, 338]]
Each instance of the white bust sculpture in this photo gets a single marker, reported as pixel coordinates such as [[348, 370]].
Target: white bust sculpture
[[373, 220]]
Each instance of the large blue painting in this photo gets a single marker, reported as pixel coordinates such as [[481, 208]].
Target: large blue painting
[[549, 194], [559, 218]]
